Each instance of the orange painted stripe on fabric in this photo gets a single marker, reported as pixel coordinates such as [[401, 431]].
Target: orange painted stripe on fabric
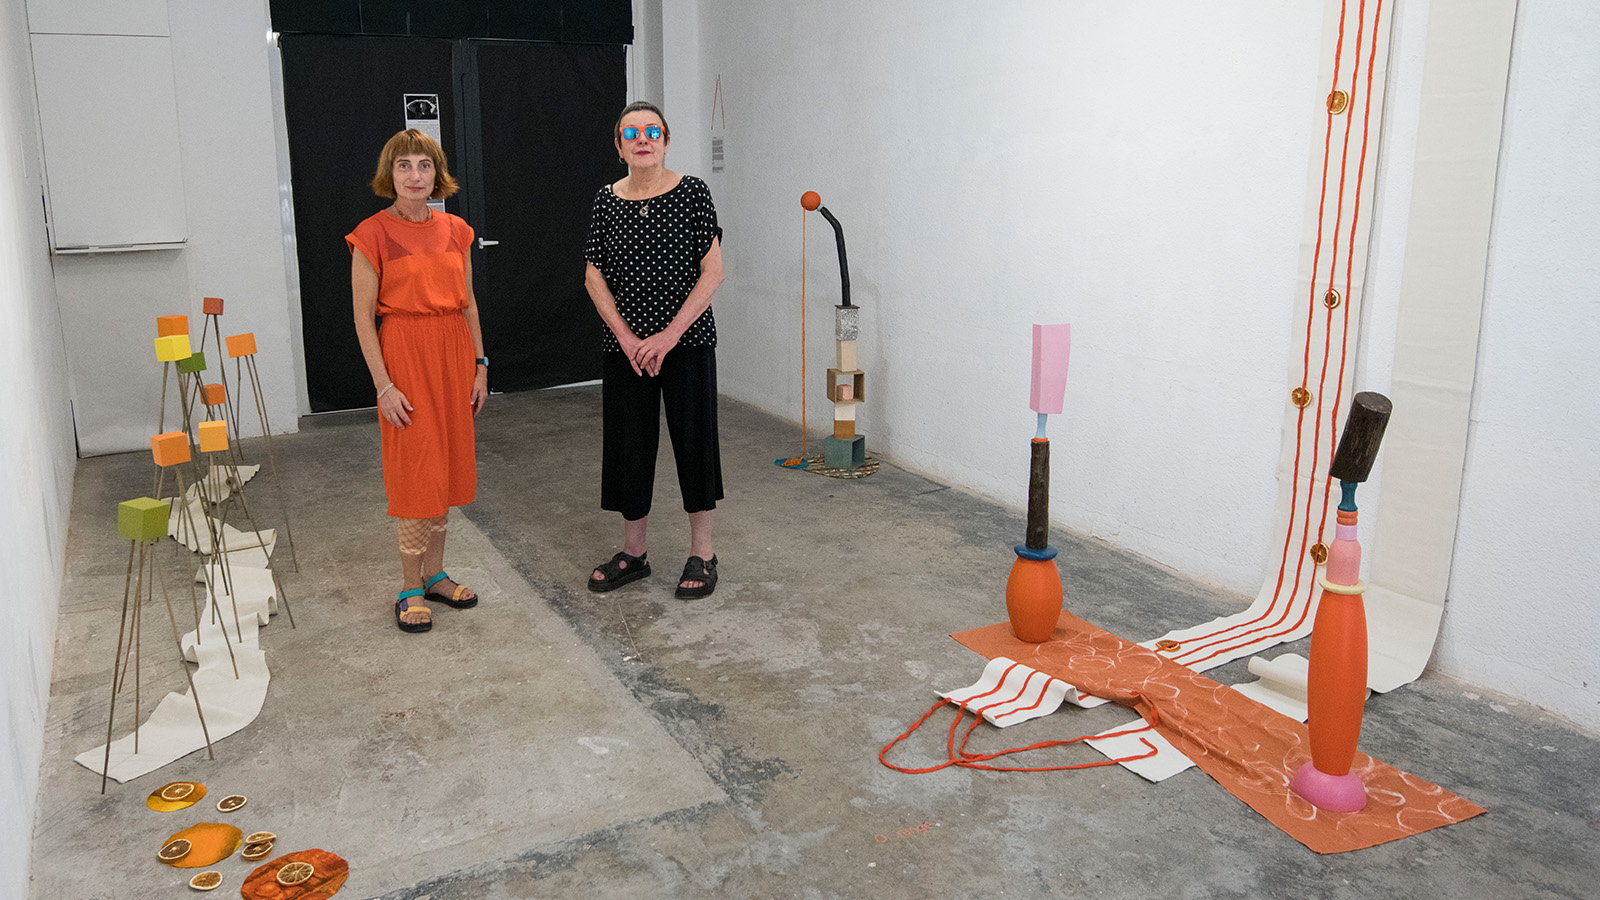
[[1233, 640]]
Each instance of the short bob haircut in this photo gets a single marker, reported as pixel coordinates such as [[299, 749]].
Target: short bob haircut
[[408, 143], [640, 106]]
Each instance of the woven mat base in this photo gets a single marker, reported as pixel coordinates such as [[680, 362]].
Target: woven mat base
[[861, 471]]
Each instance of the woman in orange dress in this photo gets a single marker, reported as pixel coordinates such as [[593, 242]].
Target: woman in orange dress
[[411, 266]]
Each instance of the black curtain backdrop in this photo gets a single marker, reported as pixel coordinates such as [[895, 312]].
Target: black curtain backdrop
[[565, 21], [546, 112], [342, 101], [526, 127]]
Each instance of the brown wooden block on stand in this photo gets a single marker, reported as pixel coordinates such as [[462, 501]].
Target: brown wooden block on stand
[[844, 429]]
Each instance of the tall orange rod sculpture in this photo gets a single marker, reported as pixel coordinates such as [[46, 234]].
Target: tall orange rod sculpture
[[1336, 689]]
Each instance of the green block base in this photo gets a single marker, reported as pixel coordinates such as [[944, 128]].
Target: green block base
[[844, 453], [143, 519], [195, 363]]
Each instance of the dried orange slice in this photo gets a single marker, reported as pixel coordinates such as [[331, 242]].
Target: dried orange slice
[[206, 881], [177, 790], [253, 852], [177, 849], [295, 872], [231, 802], [260, 837]]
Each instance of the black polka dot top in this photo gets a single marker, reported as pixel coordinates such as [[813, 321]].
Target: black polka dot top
[[649, 252]]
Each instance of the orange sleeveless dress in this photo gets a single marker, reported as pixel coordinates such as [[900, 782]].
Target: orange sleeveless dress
[[422, 290]]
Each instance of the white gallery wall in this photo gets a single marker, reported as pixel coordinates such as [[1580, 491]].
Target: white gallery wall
[[36, 454], [1139, 170], [1524, 612], [109, 302], [1136, 170]]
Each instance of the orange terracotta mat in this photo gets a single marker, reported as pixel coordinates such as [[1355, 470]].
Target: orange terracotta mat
[[1249, 749]]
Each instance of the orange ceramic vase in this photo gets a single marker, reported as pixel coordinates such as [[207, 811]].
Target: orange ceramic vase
[[1033, 596]]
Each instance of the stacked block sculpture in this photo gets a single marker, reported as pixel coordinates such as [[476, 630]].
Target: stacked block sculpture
[[1336, 688], [845, 448], [1033, 592]]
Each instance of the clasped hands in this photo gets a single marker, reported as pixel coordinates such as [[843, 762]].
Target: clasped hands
[[645, 356]]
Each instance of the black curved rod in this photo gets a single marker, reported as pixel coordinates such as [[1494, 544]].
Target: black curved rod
[[844, 265]]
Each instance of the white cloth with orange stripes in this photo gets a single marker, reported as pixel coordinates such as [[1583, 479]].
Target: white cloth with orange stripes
[[1010, 693]]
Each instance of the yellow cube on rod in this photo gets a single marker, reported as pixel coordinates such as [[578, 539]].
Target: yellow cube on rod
[[172, 348]]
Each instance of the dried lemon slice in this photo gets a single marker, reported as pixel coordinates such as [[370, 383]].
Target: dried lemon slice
[[295, 872], [206, 881], [259, 837], [177, 790], [177, 849], [231, 802], [256, 851]]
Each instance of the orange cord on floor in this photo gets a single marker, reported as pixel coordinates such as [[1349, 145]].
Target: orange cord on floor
[[957, 755]]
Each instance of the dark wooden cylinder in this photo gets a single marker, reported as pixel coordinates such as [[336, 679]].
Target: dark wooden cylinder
[[1039, 497], [1363, 432]]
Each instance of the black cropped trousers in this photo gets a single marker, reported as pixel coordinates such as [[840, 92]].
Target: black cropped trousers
[[631, 405]]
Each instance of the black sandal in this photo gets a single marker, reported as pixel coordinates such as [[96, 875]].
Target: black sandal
[[697, 569], [615, 575]]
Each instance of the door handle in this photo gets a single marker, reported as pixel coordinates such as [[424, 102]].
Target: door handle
[[483, 243]]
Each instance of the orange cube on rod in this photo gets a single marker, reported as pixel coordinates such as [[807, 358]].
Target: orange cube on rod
[[170, 449], [242, 344]]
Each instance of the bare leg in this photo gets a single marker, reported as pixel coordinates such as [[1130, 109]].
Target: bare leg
[[634, 542], [700, 544]]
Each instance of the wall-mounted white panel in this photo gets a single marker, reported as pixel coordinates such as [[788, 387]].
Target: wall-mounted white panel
[[147, 17], [109, 114]]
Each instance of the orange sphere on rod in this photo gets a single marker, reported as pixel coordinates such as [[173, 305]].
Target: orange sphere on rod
[[810, 200]]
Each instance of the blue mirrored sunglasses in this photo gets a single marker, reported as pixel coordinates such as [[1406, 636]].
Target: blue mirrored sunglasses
[[630, 133]]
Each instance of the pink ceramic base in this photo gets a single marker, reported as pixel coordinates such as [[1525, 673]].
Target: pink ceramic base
[[1334, 793]]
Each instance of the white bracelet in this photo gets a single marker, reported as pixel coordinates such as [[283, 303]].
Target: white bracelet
[[385, 390]]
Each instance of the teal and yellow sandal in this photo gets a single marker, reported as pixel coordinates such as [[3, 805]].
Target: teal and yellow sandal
[[402, 605], [452, 599]]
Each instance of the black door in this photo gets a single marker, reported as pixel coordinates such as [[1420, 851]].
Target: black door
[[544, 114], [526, 128]]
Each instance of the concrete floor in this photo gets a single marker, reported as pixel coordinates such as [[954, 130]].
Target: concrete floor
[[554, 743]]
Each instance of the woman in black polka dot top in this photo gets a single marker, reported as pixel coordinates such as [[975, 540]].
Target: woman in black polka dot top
[[654, 260]]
